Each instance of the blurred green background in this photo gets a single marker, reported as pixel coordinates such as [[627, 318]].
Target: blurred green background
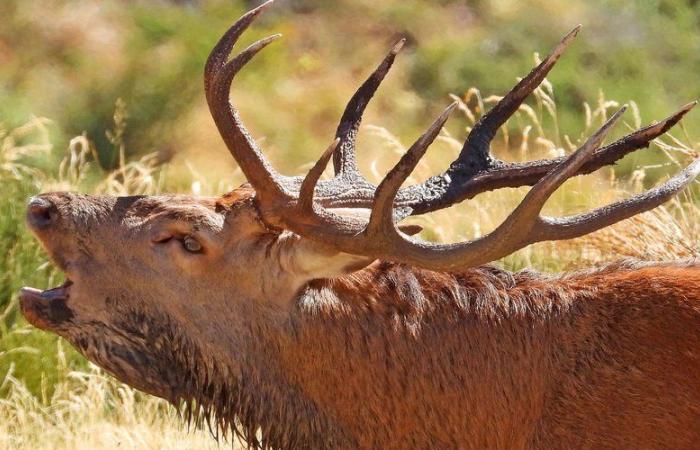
[[128, 76], [71, 61]]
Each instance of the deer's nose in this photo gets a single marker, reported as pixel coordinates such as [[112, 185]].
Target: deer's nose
[[41, 212]]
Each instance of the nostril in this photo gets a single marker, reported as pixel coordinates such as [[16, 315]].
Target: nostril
[[41, 212]]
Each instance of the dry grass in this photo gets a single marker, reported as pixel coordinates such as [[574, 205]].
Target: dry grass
[[89, 410]]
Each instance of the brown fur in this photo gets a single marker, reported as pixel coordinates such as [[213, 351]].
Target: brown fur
[[388, 356]]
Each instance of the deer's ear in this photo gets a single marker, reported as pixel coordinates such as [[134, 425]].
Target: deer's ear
[[310, 260]]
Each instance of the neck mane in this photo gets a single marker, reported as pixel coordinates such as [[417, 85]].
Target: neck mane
[[345, 334]]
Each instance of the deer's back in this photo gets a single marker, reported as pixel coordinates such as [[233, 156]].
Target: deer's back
[[498, 360], [630, 377]]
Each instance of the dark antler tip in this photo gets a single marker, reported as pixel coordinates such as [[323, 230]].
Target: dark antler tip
[[674, 118], [256, 11], [265, 5], [615, 117], [446, 113], [440, 121], [678, 115], [599, 135], [565, 41], [572, 34], [687, 107], [398, 46], [256, 46]]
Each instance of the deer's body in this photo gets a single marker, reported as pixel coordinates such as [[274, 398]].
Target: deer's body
[[395, 357], [271, 310]]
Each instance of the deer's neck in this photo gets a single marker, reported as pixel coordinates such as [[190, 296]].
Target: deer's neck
[[366, 360], [395, 339]]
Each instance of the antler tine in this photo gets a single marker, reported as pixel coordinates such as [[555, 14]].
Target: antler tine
[[381, 238], [382, 217], [344, 161], [475, 171], [518, 230], [528, 173], [474, 159], [306, 191], [529, 209], [640, 138], [225, 75], [221, 51], [476, 147], [581, 224], [219, 75]]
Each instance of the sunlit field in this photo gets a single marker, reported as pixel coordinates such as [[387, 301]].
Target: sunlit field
[[126, 116]]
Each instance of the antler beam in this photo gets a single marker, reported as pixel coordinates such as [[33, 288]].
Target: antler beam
[[309, 206]]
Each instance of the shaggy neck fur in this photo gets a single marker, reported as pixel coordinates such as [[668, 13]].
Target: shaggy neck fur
[[397, 357]]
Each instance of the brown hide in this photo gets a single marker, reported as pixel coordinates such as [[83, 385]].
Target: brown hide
[[396, 357]]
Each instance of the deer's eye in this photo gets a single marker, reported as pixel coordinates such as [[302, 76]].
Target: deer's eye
[[191, 244]]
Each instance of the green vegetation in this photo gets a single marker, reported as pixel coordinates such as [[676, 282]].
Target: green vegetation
[[125, 78], [74, 61]]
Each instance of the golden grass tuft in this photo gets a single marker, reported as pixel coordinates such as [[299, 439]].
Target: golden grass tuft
[[90, 410]]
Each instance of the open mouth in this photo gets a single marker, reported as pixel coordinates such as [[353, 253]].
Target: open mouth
[[46, 309], [60, 292]]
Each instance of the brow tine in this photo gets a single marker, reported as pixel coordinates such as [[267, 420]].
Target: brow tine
[[306, 191]]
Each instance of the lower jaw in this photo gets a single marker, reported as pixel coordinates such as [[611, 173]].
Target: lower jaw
[[34, 315], [47, 309]]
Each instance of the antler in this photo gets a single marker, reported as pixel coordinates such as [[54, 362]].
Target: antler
[[306, 206], [218, 75]]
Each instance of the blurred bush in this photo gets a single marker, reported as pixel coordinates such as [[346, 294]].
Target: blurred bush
[[72, 60]]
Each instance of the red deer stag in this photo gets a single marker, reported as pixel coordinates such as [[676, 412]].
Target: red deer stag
[[295, 312]]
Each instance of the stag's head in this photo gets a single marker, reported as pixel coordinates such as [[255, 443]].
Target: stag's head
[[154, 283], [143, 271]]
